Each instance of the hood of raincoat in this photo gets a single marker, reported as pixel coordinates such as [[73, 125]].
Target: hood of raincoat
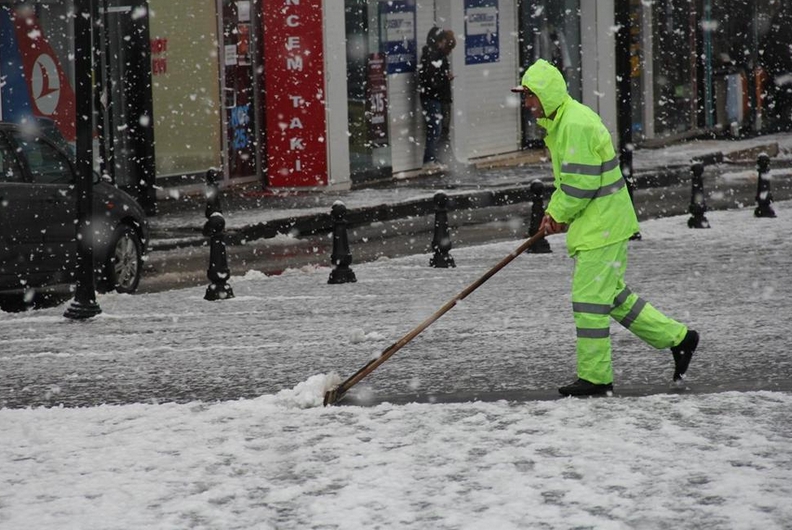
[[544, 80]]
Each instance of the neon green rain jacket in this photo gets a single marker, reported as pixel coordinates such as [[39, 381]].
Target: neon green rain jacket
[[591, 195]]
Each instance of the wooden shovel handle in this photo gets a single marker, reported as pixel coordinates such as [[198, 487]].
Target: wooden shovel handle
[[332, 396]]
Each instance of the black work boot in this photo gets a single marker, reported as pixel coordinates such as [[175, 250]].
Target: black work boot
[[581, 387], [683, 352]]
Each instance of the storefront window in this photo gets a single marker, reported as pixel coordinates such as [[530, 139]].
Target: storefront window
[[750, 47], [774, 36], [367, 93], [38, 46], [674, 52], [239, 100], [550, 30], [637, 69], [185, 89]]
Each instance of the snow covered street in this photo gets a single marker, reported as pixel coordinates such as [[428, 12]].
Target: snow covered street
[[167, 411]]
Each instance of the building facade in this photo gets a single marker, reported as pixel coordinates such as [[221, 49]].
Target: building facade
[[322, 93]]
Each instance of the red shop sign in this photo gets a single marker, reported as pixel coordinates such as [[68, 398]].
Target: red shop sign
[[294, 93], [377, 101]]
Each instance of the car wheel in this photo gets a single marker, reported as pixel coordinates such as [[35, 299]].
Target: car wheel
[[14, 303], [124, 263]]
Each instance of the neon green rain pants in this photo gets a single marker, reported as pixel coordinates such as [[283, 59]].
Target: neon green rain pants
[[599, 294]]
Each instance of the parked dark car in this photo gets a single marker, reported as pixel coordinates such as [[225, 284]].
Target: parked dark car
[[38, 212]]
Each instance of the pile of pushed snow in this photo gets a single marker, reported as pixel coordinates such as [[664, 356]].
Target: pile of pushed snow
[[309, 393], [252, 275], [357, 335]]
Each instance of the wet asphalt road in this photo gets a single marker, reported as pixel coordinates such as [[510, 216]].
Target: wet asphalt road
[[186, 364]]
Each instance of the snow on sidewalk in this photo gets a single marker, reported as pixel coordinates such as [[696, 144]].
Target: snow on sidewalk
[[721, 461]]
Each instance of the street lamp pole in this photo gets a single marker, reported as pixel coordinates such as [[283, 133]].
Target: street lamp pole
[[84, 305]]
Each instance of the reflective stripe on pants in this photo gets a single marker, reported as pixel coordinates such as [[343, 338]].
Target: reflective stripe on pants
[[599, 294]]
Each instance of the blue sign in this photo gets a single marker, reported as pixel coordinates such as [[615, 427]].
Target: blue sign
[[15, 103], [397, 35], [240, 124], [482, 35]]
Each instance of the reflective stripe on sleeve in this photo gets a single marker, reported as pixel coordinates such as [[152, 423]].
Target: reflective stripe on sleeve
[[610, 189], [593, 194], [588, 169]]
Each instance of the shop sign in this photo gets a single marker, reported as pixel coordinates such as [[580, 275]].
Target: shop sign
[[159, 56], [397, 35], [482, 43], [376, 101], [240, 125], [33, 81], [294, 93]]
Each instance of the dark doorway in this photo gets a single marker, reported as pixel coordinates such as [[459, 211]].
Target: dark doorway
[[124, 98]]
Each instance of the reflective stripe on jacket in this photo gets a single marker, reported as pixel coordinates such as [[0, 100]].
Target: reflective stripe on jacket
[[591, 195]]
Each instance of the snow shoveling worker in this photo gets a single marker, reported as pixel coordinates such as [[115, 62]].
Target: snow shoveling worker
[[592, 205]]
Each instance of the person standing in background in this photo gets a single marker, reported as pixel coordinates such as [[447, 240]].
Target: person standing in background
[[434, 88], [445, 134]]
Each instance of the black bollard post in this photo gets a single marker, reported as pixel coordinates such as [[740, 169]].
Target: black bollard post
[[698, 205], [214, 228], [763, 195], [537, 213], [441, 240], [341, 258]]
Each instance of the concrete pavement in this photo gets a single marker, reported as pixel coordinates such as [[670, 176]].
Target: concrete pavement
[[273, 231], [662, 180]]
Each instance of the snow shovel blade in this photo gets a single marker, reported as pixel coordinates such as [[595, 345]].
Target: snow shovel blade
[[332, 396]]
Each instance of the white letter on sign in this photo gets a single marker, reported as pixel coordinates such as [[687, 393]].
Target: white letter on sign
[[296, 143], [292, 43], [294, 63]]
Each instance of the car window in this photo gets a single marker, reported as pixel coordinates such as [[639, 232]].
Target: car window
[[47, 165], [9, 168]]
